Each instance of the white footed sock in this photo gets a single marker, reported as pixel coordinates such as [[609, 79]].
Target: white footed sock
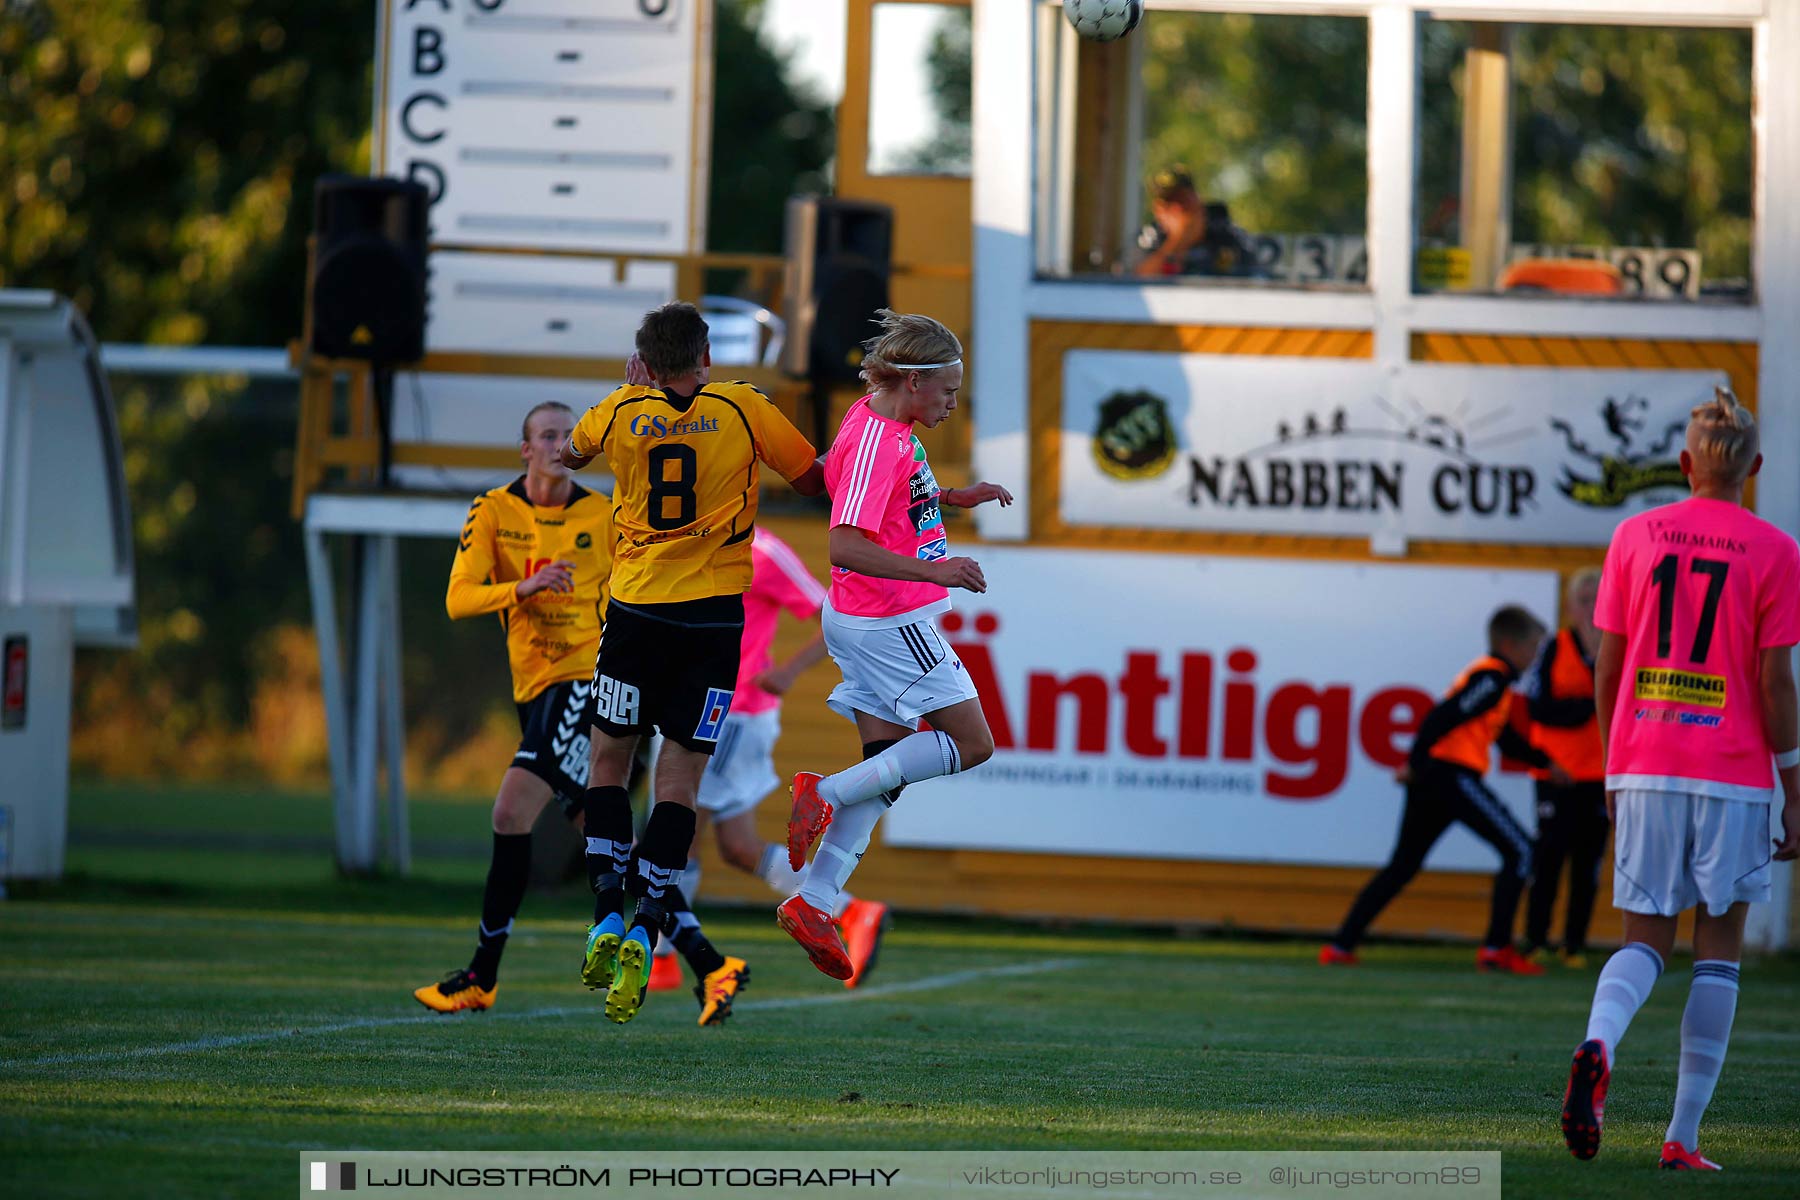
[[1624, 985], [1705, 1032], [774, 870], [837, 855], [917, 757]]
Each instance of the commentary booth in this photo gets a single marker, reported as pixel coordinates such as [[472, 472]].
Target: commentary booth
[[1475, 262]]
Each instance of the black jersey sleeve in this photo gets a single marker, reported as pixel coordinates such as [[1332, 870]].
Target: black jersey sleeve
[[1563, 712], [1513, 744], [1478, 694]]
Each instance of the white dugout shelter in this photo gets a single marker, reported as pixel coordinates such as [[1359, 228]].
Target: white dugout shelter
[[66, 575]]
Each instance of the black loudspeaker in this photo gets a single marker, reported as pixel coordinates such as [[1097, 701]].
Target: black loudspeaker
[[839, 258], [368, 282]]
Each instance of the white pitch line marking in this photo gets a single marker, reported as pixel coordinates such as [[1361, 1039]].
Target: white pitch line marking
[[226, 1042]]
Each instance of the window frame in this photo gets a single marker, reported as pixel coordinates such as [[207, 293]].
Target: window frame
[[1052, 220]]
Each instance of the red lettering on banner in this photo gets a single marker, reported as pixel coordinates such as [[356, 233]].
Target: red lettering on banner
[[1380, 730], [978, 661], [1305, 727], [1092, 701], [1142, 685], [1328, 754], [1240, 709], [1194, 731]]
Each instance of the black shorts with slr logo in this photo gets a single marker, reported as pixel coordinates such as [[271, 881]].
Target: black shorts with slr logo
[[553, 739], [669, 668]]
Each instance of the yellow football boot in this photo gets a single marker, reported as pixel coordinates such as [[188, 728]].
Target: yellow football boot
[[602, 956], [717, 991], [459, 991], [631, 980]]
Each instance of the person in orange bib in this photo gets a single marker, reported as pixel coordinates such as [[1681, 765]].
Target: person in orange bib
[[1571, 819], [1443, 778]]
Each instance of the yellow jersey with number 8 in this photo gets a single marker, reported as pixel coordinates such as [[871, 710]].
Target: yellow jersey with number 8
[[684, 500]]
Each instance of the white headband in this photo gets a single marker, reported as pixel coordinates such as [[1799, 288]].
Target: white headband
[[924, 366]]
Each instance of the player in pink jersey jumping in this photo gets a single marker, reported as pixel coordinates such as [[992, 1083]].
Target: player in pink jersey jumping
[[891, 574], [1699, 610], [742, 769]]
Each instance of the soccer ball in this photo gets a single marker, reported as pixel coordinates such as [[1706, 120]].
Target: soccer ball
[[1103, 20]]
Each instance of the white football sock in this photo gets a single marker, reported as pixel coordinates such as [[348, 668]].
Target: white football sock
[[839, 851], [689, 880], [1705, 1031], [1625, 983], [773, 870], [911, 759]]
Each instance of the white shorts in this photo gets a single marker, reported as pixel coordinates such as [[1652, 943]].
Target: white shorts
[[741, 770], [1672, 851], [897, 674]]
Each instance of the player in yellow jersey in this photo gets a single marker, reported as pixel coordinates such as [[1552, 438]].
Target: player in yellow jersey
[[685, 455], [537, 553]]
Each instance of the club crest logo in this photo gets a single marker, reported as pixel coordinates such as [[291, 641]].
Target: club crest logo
[[1623, 470], [1133, 438]]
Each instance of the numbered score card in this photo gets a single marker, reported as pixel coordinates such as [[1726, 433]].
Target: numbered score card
[[1651, 272], [1311, 257]]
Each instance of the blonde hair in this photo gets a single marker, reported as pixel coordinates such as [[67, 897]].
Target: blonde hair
[[1722, 435], [906, 341]]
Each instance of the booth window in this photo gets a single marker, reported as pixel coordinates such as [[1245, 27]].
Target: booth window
[[1206, 146], [921, 89], [1590, 160]]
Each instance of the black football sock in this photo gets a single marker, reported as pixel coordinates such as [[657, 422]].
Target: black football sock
[[661, 858], [606, 820], [692, 945], [508, 872]]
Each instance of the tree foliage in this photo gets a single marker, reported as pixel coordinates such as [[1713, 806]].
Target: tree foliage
[[157, 158], [950, 76], [1621, 135], [770, 138], [1268, 112]]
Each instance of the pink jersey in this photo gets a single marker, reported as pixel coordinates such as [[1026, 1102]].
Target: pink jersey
[[1697, 590], [779, 581], [881, 484]]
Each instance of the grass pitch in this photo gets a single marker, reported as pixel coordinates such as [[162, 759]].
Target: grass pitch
[[183, 1019]]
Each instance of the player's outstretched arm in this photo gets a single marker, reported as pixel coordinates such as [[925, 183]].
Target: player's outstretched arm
[[810, 482], [1781, 725], [571, 458], [472, 591], [852, 550], [778, 679], [974, 494], [588, 438]]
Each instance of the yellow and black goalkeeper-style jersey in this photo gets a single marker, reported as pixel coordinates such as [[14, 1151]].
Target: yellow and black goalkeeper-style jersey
[[684, 500], [550, 636]]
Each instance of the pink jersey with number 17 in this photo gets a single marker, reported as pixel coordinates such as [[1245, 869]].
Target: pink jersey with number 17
[[880, 483], [1697, 590]]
